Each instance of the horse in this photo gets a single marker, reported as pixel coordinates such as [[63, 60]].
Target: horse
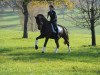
[[47, 32]]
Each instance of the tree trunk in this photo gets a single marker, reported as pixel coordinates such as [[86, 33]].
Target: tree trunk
[[92, 27], [93, 34], [25, 12]]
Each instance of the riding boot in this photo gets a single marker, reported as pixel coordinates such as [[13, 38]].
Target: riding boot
[[56, 29], [57, 34]]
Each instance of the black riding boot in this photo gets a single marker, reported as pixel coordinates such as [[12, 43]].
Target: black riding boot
[[57, 33]]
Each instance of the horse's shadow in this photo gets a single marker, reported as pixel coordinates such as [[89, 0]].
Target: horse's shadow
[[37, 55], [51, 56], [4, 50]]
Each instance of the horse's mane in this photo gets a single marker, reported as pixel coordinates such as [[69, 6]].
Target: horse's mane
[[42, 16]]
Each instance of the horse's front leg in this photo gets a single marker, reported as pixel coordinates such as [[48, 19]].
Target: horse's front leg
[[44, 47], [36, 42], [57, 44]]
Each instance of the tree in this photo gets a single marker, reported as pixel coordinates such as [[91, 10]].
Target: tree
[[25, 12], [22, 6], [88, 15]]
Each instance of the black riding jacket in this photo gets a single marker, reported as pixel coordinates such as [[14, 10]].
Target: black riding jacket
[[53, 16]]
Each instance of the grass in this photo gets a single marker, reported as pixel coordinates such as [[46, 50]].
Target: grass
[[9, 21], [18, 56]]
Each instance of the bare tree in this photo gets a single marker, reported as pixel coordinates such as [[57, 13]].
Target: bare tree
[[25, 12], [87, 15], [22, 6]]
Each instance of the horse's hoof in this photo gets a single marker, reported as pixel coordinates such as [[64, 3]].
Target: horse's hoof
[[36, 47]]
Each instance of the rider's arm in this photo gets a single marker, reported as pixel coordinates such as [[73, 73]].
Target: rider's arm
[[55, 16]]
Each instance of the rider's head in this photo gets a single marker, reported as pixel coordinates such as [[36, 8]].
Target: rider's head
[[51, 7]]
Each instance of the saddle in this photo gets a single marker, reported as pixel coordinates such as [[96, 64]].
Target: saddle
[[53, 29]]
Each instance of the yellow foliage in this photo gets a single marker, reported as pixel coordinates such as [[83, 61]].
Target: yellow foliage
[[41, 7], [68, 3], [56, 3]]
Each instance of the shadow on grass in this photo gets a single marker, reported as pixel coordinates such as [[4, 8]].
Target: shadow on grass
[[8, 13], [82, 56], [10, 19], [9, 26], [24, 48], [4, 50]]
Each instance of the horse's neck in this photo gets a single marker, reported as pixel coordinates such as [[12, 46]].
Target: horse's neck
[[46, 25], [45, 22]]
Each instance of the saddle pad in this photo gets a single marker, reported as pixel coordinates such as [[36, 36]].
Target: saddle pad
[[59, 29]]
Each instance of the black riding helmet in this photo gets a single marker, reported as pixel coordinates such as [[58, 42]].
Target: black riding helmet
[[51, 6]]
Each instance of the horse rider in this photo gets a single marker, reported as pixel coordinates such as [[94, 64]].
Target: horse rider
[[53, 19]]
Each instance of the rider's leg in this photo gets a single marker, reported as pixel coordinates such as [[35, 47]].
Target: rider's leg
[[56, 29]]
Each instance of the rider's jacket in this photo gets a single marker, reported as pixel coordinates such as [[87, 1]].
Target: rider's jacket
[[53, 16]]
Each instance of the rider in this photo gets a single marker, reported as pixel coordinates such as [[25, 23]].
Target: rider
[[53, 19]]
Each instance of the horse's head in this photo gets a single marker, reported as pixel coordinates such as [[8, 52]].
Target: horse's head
[[39, 20]]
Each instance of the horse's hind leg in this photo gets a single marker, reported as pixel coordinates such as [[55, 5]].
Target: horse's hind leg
[[68, 46], [66, 41], [57, 44], [44, 48]]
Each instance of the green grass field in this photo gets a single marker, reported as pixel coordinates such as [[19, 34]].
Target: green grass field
[[18, 56]]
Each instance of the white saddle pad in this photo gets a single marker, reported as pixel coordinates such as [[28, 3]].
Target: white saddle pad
[[59, 29]]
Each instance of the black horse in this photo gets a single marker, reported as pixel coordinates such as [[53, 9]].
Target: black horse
[[47, 32]]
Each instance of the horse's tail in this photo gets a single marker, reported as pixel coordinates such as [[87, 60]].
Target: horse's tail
[[65, 36]]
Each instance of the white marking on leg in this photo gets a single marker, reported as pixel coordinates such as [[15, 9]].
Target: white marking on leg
[[44, 49], [36, 42], [69, 50], [56, 50]]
